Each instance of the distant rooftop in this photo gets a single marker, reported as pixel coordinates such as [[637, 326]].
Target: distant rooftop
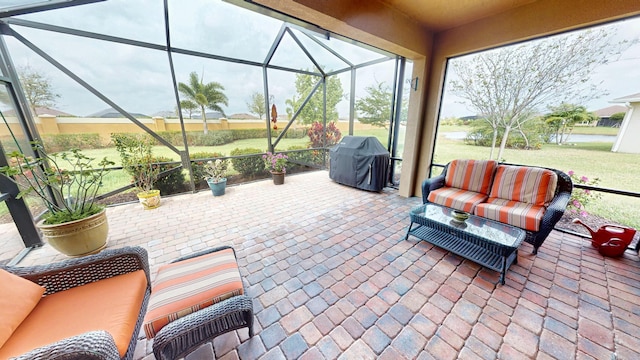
[[610, 110], [628, 98]]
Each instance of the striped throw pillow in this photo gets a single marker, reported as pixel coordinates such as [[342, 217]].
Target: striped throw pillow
[[472, 175], [187, 286], [525, 184]]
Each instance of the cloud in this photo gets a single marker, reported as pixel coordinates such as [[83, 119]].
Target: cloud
[[138, 79]]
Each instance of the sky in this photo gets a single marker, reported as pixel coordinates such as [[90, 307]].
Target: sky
[[138, 79], [618, 78]]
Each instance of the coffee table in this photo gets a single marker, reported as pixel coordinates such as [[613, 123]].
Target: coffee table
[[484, 241]]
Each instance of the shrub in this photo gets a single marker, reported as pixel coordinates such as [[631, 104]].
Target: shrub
[[198, 138], [241, 134], [481, 134], [198, 166], [316, 131], [249, 166], [61, 142], [581, 197], [304, 157], [172, 183]]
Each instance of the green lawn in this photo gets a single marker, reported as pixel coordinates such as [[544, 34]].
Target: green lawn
[[615, 170], [593, 160]]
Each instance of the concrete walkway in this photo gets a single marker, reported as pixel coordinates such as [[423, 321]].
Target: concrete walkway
[[332, 277]]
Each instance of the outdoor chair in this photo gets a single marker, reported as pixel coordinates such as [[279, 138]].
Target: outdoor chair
[[195, 299], [83, 308]]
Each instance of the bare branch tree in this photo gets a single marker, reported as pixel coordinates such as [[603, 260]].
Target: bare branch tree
[[37, 88], [505, 84]]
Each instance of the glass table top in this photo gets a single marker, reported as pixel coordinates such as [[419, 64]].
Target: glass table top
[[475, 225]]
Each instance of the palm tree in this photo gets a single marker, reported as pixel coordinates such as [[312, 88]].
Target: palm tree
[[206, 96]]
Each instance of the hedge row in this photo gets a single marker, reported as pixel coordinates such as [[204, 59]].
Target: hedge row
[[60, 142]]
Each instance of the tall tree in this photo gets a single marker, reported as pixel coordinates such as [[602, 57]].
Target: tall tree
[[37, 89], [188, 107], [563, 117], [256, 104], [503, 85], [375, 109], [314, 109], [206, 96]]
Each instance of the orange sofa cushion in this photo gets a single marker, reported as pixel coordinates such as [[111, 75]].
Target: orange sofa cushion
[[525, 184], [187, 286], [472, 175], [111, 304], [522, 215], [18, 297], [456, 198]]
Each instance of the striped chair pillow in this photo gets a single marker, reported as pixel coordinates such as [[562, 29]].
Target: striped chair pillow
[[522, 215], [472, 175], [525, 184], [456, 198], [187, 286]]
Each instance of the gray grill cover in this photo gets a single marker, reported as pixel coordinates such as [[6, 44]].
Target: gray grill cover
[[359, 161]]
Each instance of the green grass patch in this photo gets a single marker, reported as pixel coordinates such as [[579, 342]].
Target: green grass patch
[[593, 160]]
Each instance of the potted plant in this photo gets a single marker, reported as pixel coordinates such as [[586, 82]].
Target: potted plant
[[216, 175], [67, 183], [276, 165], [138, 161]]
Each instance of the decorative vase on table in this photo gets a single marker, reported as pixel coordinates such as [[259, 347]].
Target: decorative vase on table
[[216, 172], [276, 165], [74, 223]]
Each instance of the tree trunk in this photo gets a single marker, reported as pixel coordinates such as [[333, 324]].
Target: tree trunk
[[503, 143], [493, 142], [204, 120]]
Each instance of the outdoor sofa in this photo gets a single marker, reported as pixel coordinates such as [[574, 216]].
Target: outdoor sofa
[[528, 197], [83, 308]]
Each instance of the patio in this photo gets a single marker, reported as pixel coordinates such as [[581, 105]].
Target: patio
[[332, 277]]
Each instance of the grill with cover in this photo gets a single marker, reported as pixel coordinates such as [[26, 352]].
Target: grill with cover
[[359, 161]]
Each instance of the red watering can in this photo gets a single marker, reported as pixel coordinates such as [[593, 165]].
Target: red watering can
[[610, 240]]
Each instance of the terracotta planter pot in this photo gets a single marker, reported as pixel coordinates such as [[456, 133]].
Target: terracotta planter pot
[[149, 199], [278, 177], [78, 238]]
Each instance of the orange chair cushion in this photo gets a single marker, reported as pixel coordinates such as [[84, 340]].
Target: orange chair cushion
[[456, 198], [472, 175], [18, 297], [522, 215], [111, 304], [187, 286], [525, 184]]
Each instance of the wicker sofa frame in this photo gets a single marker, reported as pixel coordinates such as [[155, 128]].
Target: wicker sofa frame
[[71, 273], [552, 215], [185, 334]]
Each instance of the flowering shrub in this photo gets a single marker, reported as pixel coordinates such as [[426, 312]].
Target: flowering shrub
[[581, 197], [275, 162], [315, 134]]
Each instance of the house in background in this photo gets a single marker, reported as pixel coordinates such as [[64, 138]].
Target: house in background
[[627, 140], [605, 115]]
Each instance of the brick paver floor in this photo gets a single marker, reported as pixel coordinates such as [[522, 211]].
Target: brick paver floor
[[332, 277]]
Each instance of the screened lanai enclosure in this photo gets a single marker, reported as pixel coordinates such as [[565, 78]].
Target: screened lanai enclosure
[[78, 73]]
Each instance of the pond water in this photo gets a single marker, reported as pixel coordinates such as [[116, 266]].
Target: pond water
[[575, 138]]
